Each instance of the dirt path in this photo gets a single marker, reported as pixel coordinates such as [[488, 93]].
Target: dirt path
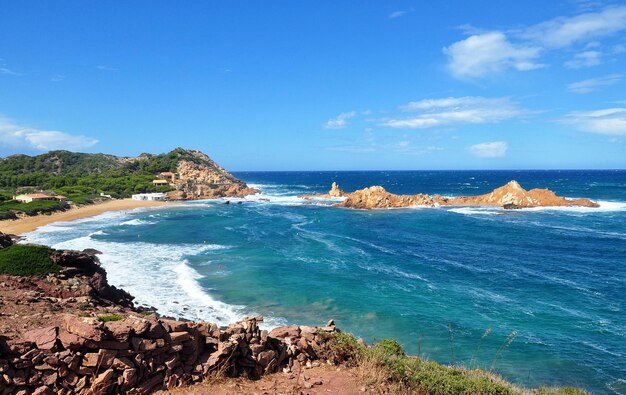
[[323, 379]]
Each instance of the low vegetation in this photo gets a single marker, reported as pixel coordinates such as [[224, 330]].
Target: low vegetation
[[10, 209], [386, 367], [110, 318], [27, 260]]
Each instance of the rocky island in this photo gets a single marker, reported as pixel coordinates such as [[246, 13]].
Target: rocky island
[[509, 196]]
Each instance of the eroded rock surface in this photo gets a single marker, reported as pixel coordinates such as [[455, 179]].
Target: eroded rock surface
[[202, 178]]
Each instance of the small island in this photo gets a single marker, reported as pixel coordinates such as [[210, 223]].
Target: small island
[[509, 196]]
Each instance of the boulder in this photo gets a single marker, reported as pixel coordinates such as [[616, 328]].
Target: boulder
[[45, 338], [85, 327]]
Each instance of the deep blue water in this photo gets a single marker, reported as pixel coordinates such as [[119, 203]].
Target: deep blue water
[[546, 286]]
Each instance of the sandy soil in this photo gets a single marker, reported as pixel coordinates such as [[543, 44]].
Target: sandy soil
[[28, 224]]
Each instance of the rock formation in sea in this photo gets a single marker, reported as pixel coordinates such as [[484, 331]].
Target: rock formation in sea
[[509, 196]]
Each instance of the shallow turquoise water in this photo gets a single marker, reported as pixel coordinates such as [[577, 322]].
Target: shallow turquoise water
[[549, 282]]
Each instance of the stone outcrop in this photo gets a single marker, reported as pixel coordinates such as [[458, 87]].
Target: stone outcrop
[[5, 240], [509, 196], [202, 178], [90, 279], [335, 191], [138, 355]]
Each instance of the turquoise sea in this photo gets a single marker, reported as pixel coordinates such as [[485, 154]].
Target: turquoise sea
[[546, 287]]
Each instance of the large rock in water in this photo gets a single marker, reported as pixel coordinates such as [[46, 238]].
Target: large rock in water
[[202, 178], [511, 195]]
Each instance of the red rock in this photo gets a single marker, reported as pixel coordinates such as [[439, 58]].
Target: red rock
[[43, 390], [285, 331], [45, 338], [85, 327], [102, 382], [178, 337]]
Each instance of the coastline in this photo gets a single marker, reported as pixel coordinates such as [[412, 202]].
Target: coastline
[[29, 224]]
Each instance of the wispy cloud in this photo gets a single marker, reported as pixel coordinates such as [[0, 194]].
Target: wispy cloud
[[455, 110], [584, 59], [564, 31], [57, 78], [396, 14], [107, 68], [594, 84], [25, 137], [340, 121], [7, 71], [609, 121], [485, 53], [493, 149]]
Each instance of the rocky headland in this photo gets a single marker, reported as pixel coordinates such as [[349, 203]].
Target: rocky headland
[[509, 196], [199, 177]]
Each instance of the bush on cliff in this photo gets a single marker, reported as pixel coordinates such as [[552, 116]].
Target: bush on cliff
[[386, 366], [26, 260]]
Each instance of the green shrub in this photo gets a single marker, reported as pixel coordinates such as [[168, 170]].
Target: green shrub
[[390, 347], [110, 317], [27, 260], [341, 347], [32, 208]]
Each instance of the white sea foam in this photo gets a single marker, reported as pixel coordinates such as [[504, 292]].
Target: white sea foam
[[605, 207], [136, 222], [158, 275], [476, 210]]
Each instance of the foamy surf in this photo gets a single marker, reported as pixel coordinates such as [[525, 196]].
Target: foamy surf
[[157, 275]]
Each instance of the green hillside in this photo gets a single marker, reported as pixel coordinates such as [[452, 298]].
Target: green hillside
[[79, 175]]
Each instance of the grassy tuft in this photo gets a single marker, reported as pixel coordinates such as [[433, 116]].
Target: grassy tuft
[[386, 367], [110, 317], [27, 260]]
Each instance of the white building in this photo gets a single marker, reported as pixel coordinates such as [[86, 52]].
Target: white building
[[149, 196]]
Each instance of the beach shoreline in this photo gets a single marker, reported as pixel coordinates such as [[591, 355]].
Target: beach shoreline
[[28, 224]]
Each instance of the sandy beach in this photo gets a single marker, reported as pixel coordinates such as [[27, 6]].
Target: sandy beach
[[28, 224]]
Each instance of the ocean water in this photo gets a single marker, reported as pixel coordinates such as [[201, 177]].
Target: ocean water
[[538, 295]]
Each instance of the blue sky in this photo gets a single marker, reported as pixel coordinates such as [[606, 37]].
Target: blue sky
[[284, 85]]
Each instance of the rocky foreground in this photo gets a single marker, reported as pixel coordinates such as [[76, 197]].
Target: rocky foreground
[[509, 196], [70, 332]]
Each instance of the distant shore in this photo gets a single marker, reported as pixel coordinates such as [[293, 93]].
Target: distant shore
[[28, 224]]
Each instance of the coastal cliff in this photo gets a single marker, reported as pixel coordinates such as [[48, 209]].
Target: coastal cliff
[[202, 178], [509, 196]]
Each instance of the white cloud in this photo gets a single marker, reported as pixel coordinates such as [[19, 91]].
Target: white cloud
[[455, 110], [584, 59], [57, 78], [565, 31], [487, 53], [593, 84], [609, 121], [484, 53], [4, 70], [18, 136], [107, 68], [340, 121], [493, 149], [396, 14]]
